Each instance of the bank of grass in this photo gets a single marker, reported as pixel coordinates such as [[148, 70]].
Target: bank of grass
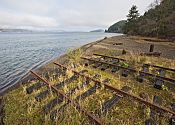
[[21, 108]]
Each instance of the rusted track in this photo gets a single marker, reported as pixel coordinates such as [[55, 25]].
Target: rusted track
[[154, 106], [91, 116], [112, 57], [173, 70], [109, 57], [133, 70], [114, 65]]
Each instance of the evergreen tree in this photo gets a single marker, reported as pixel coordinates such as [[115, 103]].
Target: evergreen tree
[[132, 17], [133, 14], [158, 21]]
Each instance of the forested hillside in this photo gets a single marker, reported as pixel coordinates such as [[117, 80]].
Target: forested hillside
[[158, 21], [117, 27]]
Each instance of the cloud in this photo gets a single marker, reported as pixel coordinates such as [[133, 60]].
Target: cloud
[[66, 14], [12, 20], [97, 13], [28, 6]]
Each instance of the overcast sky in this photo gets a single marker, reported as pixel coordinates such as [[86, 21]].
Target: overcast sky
[[78, 15]]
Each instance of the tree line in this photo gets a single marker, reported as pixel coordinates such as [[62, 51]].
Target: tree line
[[158, 21]]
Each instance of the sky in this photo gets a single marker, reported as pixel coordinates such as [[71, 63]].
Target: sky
[[67, 15]]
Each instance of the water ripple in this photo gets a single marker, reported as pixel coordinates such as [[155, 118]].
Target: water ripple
[[21, 52]]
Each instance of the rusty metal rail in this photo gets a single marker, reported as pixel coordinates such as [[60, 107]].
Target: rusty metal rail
[[91, 116], [154, 106], [133, 70], [109, 57], [155, 66], [165, 68]]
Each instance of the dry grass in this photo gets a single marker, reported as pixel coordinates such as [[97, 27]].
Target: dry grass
[[21, 108]]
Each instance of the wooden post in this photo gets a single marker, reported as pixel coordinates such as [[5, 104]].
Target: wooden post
[[151, 48], [123, 52]]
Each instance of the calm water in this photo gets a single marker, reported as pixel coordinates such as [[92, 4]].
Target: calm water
[[21, 52]]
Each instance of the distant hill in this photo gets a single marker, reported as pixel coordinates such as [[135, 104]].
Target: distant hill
[[14, 30], [98, 30], [29, 31], [117, 27]]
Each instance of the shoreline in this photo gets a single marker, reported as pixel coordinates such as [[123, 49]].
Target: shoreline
[[61, 58], [27, 75], [102, 46]]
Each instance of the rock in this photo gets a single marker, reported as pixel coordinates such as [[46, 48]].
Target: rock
[[157, 100], [140, 79], [125, 73], [158, 84], [149, 122], [114, 69]]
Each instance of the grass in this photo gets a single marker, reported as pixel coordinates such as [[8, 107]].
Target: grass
[[21, 108]]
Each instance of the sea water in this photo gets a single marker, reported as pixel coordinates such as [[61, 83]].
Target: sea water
[[21, 52]]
